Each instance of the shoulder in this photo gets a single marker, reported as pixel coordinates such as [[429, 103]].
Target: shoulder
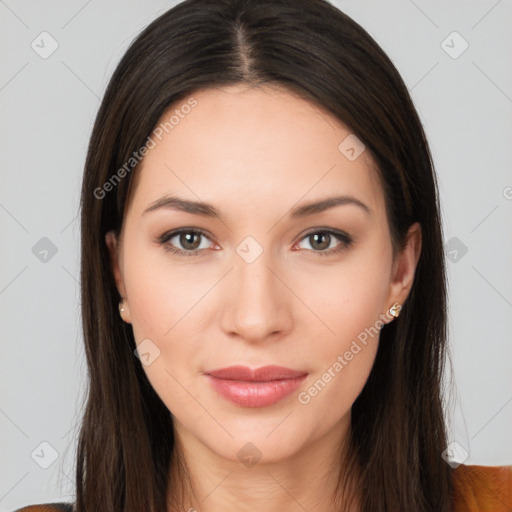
[[47, 507], [482, 488]]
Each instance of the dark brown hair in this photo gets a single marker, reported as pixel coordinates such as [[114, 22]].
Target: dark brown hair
[[313, 49]]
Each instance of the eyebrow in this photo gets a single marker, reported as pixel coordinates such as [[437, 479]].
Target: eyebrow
[[207, 210]]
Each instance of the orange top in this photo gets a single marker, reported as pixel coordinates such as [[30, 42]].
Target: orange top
[[475, 489], [482, 488]]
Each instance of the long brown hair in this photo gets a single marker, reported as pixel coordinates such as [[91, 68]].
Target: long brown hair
[[313, 49]]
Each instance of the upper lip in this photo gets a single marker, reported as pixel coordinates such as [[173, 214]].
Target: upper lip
[[261, 374]]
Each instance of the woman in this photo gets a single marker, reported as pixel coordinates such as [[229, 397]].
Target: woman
[[263, 279]]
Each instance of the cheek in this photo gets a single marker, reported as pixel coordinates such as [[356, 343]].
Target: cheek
[[161, 294], [342, 361], [165, 303], [349, 301], [348, 297]]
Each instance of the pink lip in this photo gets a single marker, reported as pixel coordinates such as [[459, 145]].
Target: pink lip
[[260, 387]]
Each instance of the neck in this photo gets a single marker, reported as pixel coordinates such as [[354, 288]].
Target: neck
[[200, 481]]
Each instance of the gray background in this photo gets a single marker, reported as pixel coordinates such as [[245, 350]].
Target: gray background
[[47, 109]]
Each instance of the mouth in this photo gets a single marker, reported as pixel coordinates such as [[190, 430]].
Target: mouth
[[260, 387]]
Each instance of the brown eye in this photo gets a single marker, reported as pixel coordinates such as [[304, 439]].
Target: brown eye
[[190, 240], [187, 241], [323, 241], [320, 240]]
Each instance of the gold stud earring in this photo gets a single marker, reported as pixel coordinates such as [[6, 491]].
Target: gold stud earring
[[394, 310]]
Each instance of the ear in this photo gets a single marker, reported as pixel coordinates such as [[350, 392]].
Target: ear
[[404, 266], [113, 248], [113, 245]]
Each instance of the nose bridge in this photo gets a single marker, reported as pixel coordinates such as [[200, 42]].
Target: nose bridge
[[255, 280], [257, 306]]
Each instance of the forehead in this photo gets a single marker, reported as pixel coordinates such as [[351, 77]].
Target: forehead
[[239, 143]]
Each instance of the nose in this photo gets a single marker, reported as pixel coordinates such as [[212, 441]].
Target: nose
[[256, 305]]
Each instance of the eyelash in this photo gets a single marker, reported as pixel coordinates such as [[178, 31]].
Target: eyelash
[[345, 239]]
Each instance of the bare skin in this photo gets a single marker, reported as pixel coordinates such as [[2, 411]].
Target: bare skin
[[256, 154]]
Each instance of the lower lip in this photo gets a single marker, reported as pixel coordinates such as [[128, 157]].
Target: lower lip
[[255, 394]]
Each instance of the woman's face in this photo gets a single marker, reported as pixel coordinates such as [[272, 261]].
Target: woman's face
[[264, 283]]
